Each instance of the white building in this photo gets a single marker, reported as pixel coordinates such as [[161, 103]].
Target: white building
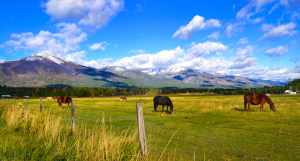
[[289, 92]]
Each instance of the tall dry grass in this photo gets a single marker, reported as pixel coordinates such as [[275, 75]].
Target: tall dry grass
[[42, 136]]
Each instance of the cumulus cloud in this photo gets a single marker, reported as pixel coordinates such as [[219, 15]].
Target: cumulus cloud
[[98, 46], [79, 58], [92, 13], [214, 35], [197, 23], [57, 44], [247, 12], [243, 58], [243, 41], [280, 30], [205, 49], [164, 58], [234, 29], [278, 51]]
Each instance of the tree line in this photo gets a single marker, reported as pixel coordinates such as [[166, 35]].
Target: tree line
[[109, 91]]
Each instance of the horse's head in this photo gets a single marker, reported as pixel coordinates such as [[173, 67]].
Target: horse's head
[[272, 106], [171, 108]]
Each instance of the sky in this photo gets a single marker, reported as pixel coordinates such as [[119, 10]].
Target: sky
[[248, 38]]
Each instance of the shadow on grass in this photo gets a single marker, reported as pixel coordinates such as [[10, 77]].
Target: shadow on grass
[[242, 110]]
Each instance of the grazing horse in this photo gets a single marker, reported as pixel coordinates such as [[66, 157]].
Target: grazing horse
[[256, 100], [123, 97], [164, 101], [61, 100], [91, 97]]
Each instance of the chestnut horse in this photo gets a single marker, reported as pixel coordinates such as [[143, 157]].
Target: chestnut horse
[[61, 100], [256, 100], [123, 97], [91, 97]]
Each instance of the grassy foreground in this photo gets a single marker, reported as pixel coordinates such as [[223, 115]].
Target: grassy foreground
[[200, 128]]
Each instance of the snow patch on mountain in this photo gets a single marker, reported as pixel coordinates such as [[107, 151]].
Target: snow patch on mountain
[[113, 68], [163, 70], [42, 56]]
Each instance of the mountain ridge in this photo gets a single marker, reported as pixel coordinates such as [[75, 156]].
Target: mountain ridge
[[44, 70]]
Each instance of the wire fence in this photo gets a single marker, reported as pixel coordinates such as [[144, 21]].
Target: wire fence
[[195, 150]]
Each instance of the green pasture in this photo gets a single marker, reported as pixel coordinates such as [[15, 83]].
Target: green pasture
[[200, 128]]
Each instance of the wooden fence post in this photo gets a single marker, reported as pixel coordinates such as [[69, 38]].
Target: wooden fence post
[[7, 101], [25, 105], [73, 115], [41, 105], [15, 102], [140, 118], [2, 100]]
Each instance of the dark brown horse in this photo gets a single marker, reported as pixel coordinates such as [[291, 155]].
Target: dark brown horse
[[61, 100], [123, 97], [256, 100]]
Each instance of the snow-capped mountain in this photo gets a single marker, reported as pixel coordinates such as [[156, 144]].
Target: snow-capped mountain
[[43, 56], [44, 70], [113, 69], [206, 79], [162, 71]]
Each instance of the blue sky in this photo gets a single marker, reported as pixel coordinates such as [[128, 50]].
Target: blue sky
[[249, 38]]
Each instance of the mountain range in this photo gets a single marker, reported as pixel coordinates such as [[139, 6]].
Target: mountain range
[[46, 70]]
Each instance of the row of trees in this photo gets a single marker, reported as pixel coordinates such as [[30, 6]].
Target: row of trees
[[109, 91]]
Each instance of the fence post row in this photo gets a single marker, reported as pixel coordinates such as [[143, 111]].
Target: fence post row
[[41, 105], [25, 105], [142, 135], [73, 115]]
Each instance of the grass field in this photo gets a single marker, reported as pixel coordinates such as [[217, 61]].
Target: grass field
[[203, 128]]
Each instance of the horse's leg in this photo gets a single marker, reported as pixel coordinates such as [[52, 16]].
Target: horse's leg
[[245, 103], [249, 106], [162, 109], [262, 107], [167, 108]]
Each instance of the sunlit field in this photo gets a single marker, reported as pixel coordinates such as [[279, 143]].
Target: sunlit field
[[200, 128]]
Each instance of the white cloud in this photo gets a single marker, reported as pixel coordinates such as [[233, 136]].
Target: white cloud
[[278, 31], [278, 51], [164, 58], [93, 13], [243, 41], [137, 51], [286, 4], [214, 35], [197, 23], [295, 16], [234, 29], [233, 6], [56, 44], [243, 58], [205, 49], [79, 56], [295, 59], [2, 60], [247, 12], [98, 46]]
